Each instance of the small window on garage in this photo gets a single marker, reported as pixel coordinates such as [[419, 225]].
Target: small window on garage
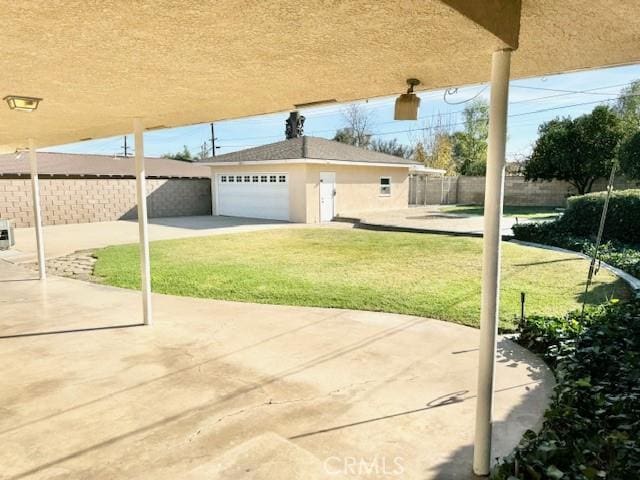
[[223, 179], [263, 178], [247, 179], [282, 178], [272, 179], [254, 179], [239, 179], [231, 178], [385, 186]]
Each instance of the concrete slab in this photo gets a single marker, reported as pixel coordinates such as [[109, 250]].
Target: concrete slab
[[369, 395], [430, 218]]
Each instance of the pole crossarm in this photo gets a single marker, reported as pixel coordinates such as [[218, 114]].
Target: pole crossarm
[[501, 18]]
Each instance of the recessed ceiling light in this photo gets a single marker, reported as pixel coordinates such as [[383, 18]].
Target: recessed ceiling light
[[22, 104]]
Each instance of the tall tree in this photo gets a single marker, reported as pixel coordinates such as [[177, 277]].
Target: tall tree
[[629, 157], [391, 147], [433, 147], [184, 155], [578, 151], [470, 144], [358, 127], [628, 107]]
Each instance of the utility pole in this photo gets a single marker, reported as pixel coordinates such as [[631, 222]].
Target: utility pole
[[126, 148], [213, 142]]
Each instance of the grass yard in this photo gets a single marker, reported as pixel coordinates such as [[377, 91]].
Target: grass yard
[[427, 275], [509, 211]]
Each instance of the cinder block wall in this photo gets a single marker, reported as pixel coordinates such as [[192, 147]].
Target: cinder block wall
[[102, 200], [517, 191]]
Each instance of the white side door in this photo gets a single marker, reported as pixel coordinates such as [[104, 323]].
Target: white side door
[[327, 196]]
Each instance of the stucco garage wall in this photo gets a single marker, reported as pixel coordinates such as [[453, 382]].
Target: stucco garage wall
[[357, 189], [297, 208], [101, 200]]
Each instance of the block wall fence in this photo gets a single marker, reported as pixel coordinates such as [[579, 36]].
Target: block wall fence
[[426, 190], [101, 200]]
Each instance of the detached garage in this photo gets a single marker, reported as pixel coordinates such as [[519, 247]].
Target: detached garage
[[308, 179]]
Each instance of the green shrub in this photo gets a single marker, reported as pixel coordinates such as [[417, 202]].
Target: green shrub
[[591, 426], [582, 216]]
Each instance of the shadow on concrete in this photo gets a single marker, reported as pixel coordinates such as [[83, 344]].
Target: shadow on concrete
[[442, 401], [211, 222], [510, 430], [209, 407], [6, 280], [71, 330]]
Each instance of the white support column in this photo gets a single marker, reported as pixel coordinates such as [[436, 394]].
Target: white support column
[[37, 213], [141, 196], [493, 201]]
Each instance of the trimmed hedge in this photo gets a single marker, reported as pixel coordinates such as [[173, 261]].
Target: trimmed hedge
[[582, 216], [591, 426]]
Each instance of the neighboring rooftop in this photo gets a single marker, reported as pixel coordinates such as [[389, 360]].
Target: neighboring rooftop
[[312, 148], [84, 165]]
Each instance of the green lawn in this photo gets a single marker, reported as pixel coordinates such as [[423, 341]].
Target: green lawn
[[509, 211], [427, 275]]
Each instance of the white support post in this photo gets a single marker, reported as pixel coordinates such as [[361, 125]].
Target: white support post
[[493, 201], [141, 196], [37, 213]]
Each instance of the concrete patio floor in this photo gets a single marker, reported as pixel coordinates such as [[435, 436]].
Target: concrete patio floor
[[230, 390]]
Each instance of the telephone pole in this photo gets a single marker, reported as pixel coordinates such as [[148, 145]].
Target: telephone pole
[[125, 148], [213, 142]]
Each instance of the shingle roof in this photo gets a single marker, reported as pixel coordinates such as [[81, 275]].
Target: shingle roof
[[309, 148], [74, 164]]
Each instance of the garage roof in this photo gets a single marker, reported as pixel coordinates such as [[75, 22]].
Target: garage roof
[[100, 64], [72, 164], [312, 148]]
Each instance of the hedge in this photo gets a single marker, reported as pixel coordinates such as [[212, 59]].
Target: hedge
[[582, 216]]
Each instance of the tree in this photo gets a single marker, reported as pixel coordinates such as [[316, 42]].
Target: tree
[[440, 155], [358, 127], [470, 144], [578, 151], [629, 157], [434, 146], [184, 155], [628, 108], [391, 147]]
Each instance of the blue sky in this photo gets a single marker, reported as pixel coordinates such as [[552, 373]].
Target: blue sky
[[532, 101]]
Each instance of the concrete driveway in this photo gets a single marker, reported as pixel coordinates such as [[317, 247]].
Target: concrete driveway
[[65, 239], [232, 390]]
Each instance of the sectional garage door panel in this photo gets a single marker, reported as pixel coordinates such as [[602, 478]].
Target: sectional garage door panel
[[254, 195]]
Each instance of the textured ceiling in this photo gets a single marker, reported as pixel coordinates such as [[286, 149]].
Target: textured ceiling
[[99, 63]]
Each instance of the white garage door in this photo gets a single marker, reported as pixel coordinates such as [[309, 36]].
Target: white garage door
[[256, 195]]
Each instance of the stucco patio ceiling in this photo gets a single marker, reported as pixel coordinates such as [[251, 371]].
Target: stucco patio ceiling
[[99, 64]]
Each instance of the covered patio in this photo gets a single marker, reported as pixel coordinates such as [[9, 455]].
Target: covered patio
[[210, 391], [107, 71]]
